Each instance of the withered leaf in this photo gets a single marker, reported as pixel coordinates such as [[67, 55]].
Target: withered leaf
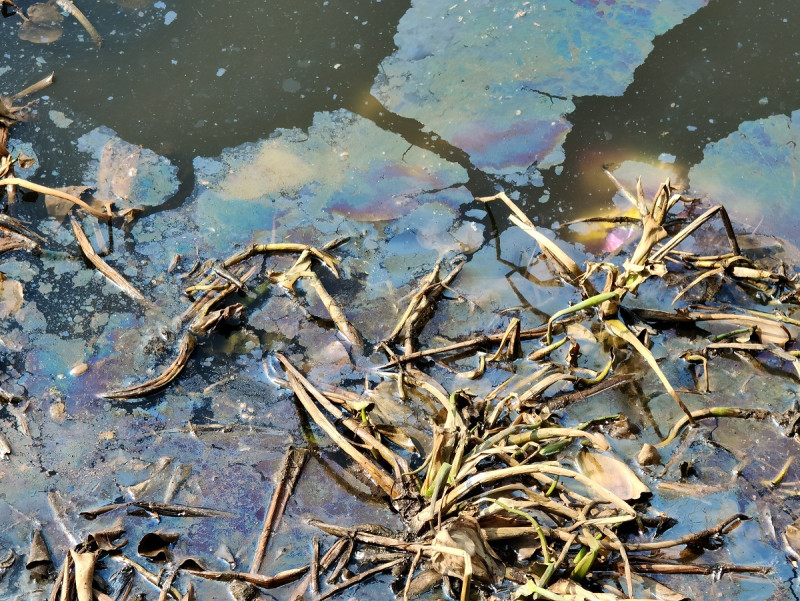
[[465, 533], [154, 545], [103, 540], [611, 473], [39, 561]]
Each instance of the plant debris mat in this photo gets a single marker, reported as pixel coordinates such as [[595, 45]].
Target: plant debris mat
[[502, 496]]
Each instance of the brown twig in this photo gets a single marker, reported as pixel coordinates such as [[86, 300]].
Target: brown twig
[[336, 550], [359, 577], [266, 582]]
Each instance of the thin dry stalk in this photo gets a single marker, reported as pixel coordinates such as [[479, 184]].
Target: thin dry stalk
[[359, 578], [422, 306], [292, 465], [399, 466], [265, 582], [336, 550], [385, 482], [103, 267], [284, 248], [567, 268]]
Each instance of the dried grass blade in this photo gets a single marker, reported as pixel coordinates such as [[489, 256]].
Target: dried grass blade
[[103, 267], [399, 466], [697, 280], [146, 574], [482, 478], [637, 201], [284, 247], [693, 226], [385, 482], [597, 440], [360, 577], [620, 330], [770, 331], [713, 412], [337, 314], [188, 344], [567, 268]]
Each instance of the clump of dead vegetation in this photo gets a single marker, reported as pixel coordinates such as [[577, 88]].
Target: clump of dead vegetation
[[505, 500]]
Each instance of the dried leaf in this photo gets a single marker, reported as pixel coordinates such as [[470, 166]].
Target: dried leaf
[[464, 533], [612, 474], [155, 545], [43, 25], [397, 436], [39, 560], [791, 539], [11, 298]]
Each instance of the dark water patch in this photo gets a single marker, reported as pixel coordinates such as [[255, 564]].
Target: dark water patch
[[190, 78], [727, 63]]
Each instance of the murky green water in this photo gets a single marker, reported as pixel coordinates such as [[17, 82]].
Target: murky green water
[[379, 121]]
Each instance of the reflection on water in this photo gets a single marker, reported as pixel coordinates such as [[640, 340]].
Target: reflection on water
[[331, 130]]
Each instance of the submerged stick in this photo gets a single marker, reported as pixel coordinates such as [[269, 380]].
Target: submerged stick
[[23, 183], [70, 7], [165, 509], [293, 464], [713, 412], [103, 267], [188, 344]]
